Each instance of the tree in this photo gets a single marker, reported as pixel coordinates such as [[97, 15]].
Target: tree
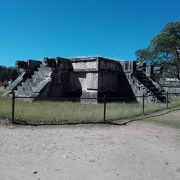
[[164, 48], [13, 74], [7, 74]]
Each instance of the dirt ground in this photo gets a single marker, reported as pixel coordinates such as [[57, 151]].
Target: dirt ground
[[137, 151]]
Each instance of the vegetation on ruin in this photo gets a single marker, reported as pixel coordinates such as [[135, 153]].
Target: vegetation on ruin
[[164, 49], [50, 112]]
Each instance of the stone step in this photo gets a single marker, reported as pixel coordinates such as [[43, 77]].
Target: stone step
[[141, 75], [20, 88], [144, 79], [149, 86], [36, 72], [24, 88], [41, 73], [40, 76], [23, 93], [154, 89], [161, 95], [27, 83], [146, 82], [29, 80], [162, 91], [157, 93], [43, 64], [44, 68], [31, 84], [44, 72], [36, 81], [26, 94]]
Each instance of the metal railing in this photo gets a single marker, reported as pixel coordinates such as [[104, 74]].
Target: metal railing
[[103, 101]]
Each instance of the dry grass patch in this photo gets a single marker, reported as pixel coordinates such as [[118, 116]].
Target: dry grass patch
[[56, 112]]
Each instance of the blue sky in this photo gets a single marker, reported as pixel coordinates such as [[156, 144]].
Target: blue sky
[[33, 29]]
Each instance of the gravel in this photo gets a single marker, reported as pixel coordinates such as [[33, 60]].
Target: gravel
[[138, 151]]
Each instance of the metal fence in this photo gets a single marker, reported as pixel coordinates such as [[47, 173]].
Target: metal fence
[[103, 104]]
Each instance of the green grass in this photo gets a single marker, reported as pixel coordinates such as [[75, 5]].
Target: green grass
[[1, 90], [64, 112], [163, 119], [170, 123], [116, 111], [175, 102], [5, 105], [50, 112], [5, 108]]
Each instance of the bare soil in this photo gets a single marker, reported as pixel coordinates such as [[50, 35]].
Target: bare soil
[[137, 151]]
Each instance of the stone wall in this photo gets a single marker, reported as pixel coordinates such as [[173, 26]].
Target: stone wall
[[60, 83], [26, 69], [171, 85], [85, 78], [99, 77], [138, 76], [109, 78]]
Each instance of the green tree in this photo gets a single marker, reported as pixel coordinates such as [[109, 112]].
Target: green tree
[[13, 74], [3, 73], [8, 73], [164, 48]]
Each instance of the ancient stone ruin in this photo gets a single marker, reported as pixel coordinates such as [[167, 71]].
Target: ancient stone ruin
[[85, 78]]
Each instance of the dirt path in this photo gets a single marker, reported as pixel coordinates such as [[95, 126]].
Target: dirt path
[[137, 151], [172, 114], [169, 117]]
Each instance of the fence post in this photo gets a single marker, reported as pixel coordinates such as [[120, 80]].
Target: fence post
[[154, 99], [167, 100], [143, 105], [13, 107], [104, 108]]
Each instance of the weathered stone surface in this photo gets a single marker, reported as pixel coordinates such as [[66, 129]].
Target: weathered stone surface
[[139, 79], [26, 69], [171, 85], [86, 78]]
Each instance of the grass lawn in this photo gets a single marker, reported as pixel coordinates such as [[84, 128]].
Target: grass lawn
[[1, 90], [56, 112], [169, 118]]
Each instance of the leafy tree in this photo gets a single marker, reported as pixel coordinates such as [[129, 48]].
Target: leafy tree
[[7, 74], [164, 48], [3, 73], [13, 74]]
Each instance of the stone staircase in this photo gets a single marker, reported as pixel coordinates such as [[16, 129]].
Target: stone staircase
[[33, 86], [14, 84], [150, 87]]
